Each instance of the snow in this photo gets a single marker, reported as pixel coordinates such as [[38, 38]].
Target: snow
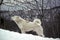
[[10, 35], [22, 6]]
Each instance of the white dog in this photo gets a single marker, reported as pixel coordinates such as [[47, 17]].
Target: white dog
[[26, 26]]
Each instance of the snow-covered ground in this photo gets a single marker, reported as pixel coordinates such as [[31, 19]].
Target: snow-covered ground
[[10, 35]]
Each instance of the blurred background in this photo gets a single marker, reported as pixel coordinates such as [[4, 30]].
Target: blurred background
[[46, 10]]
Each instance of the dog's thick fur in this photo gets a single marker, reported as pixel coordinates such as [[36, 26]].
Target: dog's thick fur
[[28, 26]]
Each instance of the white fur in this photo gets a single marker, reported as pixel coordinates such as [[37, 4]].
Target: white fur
[[28, 26]]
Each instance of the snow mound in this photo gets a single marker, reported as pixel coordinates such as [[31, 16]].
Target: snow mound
[[10, 35]]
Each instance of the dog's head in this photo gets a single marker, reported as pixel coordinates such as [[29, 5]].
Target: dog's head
[[16, 18]]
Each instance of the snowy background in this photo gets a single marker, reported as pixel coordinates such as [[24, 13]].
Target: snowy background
[[30, 9], [28, 4]]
